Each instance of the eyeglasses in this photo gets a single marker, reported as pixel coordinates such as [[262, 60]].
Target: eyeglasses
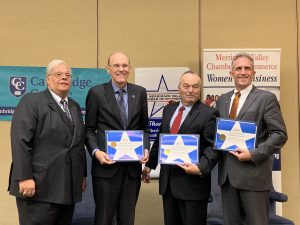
[[60, 75], [118, 66]]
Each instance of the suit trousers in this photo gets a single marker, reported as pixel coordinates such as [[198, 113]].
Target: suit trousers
[[44, 213], [184, 212], [244, 205], [116, 196]]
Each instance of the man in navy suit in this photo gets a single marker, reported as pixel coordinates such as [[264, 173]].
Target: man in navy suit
[[48, 156], [186, 188], [116, 185], [246, 176]]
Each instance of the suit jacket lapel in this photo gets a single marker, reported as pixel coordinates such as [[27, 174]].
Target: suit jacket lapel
[[72, 109], [55, 107], [227, 104], [248, 102], [190, 117], [168, 116], [76, 120], [132, 103], [111, 99]]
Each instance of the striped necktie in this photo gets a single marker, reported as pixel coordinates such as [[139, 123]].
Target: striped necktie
[[122, 107], [65, 108]]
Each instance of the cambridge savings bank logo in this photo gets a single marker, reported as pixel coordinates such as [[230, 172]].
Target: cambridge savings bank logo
[[17, 85]]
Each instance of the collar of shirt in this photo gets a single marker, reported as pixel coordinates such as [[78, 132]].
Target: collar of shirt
[[116, 88], [184, 113], [57, 98], [125, 95], [244, 94], [187, 108]]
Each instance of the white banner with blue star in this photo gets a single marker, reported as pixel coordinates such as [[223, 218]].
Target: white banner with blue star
[[124, 145], [178, 148], [232, 134], [161, 84]]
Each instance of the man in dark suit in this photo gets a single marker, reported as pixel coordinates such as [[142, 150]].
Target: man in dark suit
[[48, 157], [116, 185], [246, 176], [186, 188]]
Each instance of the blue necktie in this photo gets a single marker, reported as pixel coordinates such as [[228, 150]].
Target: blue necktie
[[122, 107]]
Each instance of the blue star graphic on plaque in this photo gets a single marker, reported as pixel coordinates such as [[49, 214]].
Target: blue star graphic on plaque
[[232, 134], [180, 148], [124, 145]]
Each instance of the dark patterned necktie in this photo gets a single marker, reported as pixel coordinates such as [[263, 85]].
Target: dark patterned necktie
[[235, 105], [65, 108], [122, 107], [176, 123]]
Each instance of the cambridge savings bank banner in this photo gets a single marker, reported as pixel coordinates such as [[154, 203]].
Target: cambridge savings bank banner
[[15, 81]]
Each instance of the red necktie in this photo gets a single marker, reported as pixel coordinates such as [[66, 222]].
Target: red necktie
[[177, 121], [234, 106]]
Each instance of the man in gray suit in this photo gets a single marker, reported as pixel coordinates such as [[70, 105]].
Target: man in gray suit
[[48, 157], [116, 185], [246, 176]]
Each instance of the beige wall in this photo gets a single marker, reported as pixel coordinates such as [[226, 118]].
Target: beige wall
[[153, 33], [34, 32]]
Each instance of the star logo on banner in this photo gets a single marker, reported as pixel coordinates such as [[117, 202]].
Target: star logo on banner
[[162, 96], [125, 147], [235, 137], [177, 151]]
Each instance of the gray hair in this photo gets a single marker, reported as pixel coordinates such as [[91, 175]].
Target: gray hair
[[242, 55], [191, 72], [53, 64]]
